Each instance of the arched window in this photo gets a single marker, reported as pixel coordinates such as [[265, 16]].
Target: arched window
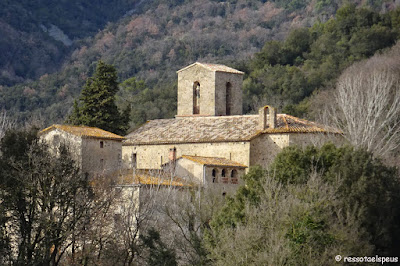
[[234, 177], [224, 178], [234, 173], [228, 98], [196, 98], [214, 172], [214, 176]]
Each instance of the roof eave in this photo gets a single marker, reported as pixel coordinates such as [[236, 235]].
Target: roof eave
[[288, 131], [95, 137], [183, 142], [230, 166]]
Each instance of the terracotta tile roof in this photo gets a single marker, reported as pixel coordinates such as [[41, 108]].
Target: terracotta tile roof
[[291, 124], [213, 161], [84, 131], [151, 177], [217, 129], [214, 67]]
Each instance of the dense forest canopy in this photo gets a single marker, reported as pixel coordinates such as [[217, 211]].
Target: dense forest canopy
[[285, 73], [161, 37], [37, 36]]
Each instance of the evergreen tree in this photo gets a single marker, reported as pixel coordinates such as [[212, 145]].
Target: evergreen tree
[[98, 107], [125, 118], [74, 117], [159, 253]]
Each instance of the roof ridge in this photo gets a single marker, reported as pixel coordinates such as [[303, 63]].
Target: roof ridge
[[83, 131], [209, 67]]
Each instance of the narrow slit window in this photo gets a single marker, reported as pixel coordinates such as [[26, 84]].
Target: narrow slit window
[[196, 98], [228, 98], [133, 160], [101, 144]]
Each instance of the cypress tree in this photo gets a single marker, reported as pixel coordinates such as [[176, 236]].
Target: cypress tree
[[98, 107], [74, 117]]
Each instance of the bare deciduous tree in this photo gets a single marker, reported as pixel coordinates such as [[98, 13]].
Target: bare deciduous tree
[[367, 104], [179, 213], [187, 216], [45, 199], [134, 207], [5, 123]]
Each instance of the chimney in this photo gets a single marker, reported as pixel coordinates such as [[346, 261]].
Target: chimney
[[266, 117], [172, 154]]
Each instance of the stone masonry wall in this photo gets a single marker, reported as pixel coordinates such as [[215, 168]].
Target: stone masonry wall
[[185, 169], [152, 156], [186, 79], [87, 152], [56, 137], [316, 139], [221, 80], [265, 147], [92, 154]]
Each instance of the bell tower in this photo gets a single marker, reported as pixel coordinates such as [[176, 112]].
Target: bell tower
[[209, 90]]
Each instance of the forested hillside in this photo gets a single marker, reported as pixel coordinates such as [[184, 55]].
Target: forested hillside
[[286, 73], [36, 36], [163, 36]]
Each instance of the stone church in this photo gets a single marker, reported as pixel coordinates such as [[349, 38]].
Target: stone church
[[210, 140]]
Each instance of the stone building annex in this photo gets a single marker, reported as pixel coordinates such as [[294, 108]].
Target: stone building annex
[[209, 140]]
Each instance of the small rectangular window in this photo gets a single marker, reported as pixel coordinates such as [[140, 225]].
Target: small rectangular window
[[101, 144]]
